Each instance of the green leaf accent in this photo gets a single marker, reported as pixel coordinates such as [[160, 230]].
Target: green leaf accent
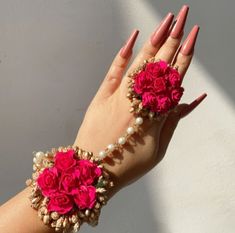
[[100, 184]]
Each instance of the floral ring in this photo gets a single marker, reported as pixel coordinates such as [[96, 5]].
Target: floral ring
[[154, 88]]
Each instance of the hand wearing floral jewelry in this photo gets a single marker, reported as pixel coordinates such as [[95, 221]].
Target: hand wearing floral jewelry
[[70, 185]]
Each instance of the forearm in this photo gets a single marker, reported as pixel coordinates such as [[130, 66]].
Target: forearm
[[16, 215]]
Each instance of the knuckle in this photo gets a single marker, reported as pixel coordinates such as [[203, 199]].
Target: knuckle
[[148, 51], [120, 64], [172, 43]]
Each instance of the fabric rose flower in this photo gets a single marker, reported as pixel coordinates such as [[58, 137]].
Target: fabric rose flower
[[159, 85], [142, 83], [60, 202], [174, 78], [163, 103], [149, 100], [176, 94], [48, 181], [69, 181], [156, 69], [65, 160], [88, 171], [85, 197]]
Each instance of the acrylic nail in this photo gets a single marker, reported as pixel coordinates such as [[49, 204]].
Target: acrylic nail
[[192, 105], [127, 48], [178, 28], [161, 31], [188, 45]]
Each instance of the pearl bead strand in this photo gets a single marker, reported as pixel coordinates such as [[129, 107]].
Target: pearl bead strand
[[121, 140]]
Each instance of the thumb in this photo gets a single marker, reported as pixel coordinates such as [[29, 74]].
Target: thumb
[[171, 123]]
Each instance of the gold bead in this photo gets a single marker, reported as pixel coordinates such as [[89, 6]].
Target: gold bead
[[74, 219], [46, 219], [131, 109], [28, 182], [55, 215]]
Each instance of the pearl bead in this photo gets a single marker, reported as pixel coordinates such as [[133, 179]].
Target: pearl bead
[[111, 147], [151, 114], [87, 212], [139, 120], [39, 155], [122, 140], [130, 130], [102, 154], [35, 160]]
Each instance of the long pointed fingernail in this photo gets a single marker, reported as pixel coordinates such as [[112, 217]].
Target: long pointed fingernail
[[162, 29], [127, 48], [178, 28], [193, 105], [188, 45]]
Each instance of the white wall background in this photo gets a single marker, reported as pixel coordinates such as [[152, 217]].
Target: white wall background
[[46, 85]]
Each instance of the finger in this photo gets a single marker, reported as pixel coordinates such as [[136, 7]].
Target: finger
[[184, 57], [151, 46], [117, 68], [167, 132], [172, 122], [169, 48]]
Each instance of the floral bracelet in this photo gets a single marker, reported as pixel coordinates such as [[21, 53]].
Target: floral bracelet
[[68, 187]]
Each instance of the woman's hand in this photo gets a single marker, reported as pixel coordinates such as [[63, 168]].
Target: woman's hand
[[108, 116]]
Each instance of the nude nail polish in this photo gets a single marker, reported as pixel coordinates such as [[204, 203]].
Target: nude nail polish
[[127, 48], [188, 45], [178, 28], [193, 105], [161, 31]]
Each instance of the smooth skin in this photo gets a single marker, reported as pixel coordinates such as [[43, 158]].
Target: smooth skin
[[108, 116]]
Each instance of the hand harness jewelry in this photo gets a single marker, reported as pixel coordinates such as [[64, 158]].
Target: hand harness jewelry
[[69, 184]]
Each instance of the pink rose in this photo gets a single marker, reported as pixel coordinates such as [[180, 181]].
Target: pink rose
[[48, 181], [163, 66], [142, 83], [163, 103], [85, 197], [88, 171], [149, 100], [65, 160], [156, 69], [60, 202], [159, 85], [176, 94], [174, 78], [69, 181]]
